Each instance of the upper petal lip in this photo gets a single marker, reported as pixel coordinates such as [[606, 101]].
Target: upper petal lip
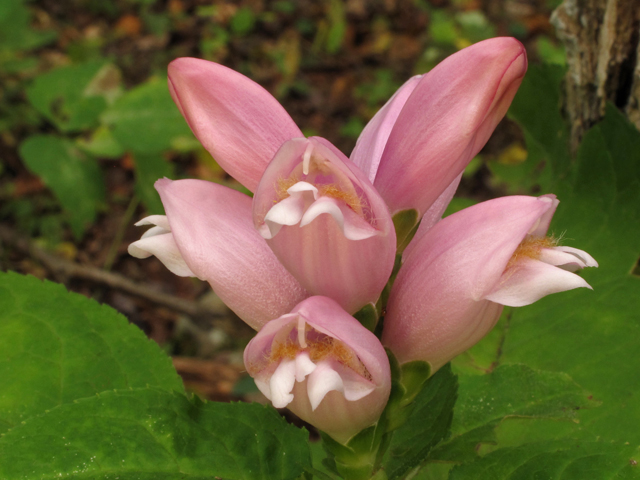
[[446, 120], [236, 120]]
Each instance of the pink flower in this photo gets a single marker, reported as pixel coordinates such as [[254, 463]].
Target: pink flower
[[323, 365], [456, 277], [208, 233], [326, 218], [424, 137], [318, 241], [326, 223]]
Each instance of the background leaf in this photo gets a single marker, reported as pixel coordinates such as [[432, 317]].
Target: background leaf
[[74, 177], [145, 119], [14, 28], [536, 108], [56, 347], [150, 434], [149, 168], [591, 335], [68, 97]]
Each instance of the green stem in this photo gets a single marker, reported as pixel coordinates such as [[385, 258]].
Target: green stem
[[117, 240]]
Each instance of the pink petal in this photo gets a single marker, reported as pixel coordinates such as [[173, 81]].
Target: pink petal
[[304, 366], [213, 230], [323, 380], [541, 228], [436, 304], [159, 221], [326, 316], [287, 212], [370, 145], [281, 384], [530, 280], [350, 224], [567, 258], [435, 212], [165, 249], [447, 120], [331, 395], [234, 118], [158, 241], [584, 258], [344, 255]]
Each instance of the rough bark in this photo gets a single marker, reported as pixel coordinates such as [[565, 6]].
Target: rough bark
[[601, 38]]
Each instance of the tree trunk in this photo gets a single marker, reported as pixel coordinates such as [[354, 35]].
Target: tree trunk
[[601, 38]]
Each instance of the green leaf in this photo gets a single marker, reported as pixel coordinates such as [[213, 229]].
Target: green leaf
[[15, 32], [149, 168], [509, 391], [149, 434], [442, 28], [74, 177], [145, 119], [536, 108], [427, 425], [101, 144], [57, 346], [555, 461], [337, 26], [73, 97], [243, 21]]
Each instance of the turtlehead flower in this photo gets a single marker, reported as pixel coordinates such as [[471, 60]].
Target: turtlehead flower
[[424, 137], [457, 276], [208, 233], [317, 242], [323, 365], [326, 218], [325, 221]]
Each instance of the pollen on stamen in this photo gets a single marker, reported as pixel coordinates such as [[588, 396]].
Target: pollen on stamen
[[284, 184], [318, 350], [353, 200], [531, 247], [287, 350], [330, 346]]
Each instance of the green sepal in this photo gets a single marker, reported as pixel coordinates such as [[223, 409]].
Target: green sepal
[[406, 223], [355, 460], [361, 457], [406, 382], [414, 376], [368, 316]]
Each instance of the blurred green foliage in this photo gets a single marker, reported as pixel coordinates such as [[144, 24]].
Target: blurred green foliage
[[79, 100]]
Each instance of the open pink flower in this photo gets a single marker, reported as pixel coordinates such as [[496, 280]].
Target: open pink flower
[[326, 223], [323, 365], [456, 278], [326, 218]]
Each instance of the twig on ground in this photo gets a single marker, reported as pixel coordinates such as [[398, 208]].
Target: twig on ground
[[63, 270]]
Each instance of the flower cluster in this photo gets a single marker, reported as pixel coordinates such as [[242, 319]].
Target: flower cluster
[[319, 240]]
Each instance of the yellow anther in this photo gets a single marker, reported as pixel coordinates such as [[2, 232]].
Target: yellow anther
[[319, 350], [531, 247], [284, 184], [350, 198]]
